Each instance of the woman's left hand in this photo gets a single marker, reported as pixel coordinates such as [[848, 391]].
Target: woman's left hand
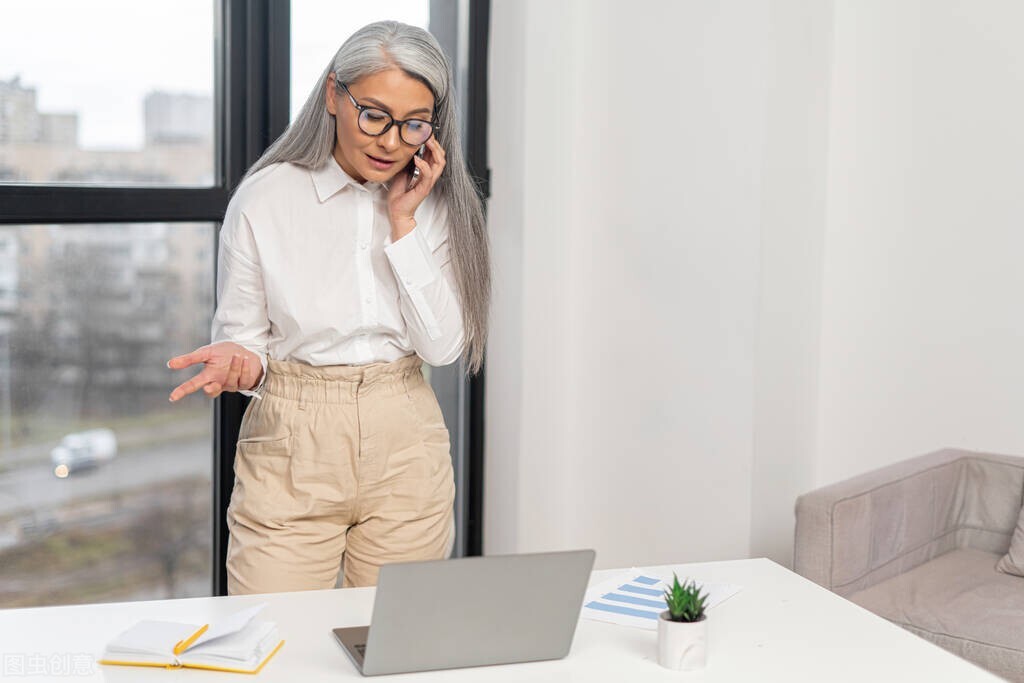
[[402, 203]]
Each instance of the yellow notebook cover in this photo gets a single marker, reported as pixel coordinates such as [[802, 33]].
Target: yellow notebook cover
[[237, 643]]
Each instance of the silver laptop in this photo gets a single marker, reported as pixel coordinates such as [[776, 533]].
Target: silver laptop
[[471, 611]]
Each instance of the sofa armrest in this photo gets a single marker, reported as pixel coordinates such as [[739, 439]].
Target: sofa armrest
[[858, 532]]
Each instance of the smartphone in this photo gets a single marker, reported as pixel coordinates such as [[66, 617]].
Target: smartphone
[[412, 171]]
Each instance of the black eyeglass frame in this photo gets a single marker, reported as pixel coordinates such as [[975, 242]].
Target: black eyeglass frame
[[392, 121]]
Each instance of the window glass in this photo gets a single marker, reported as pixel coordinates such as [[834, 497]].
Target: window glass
[[105, 486], [74, 109]]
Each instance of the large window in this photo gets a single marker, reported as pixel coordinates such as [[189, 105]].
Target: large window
[[124, 129], [105, 487], [112, 177]]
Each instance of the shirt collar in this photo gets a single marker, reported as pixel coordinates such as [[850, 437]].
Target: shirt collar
[[330, 178]]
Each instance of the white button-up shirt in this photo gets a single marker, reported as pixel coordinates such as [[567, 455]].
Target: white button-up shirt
[[307, 271]]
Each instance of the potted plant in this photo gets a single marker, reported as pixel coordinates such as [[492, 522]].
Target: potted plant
[[682, 628]]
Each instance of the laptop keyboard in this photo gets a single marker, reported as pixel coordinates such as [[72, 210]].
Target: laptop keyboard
[[361, 648]]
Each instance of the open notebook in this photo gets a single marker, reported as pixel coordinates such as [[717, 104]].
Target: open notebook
[[236, 643]]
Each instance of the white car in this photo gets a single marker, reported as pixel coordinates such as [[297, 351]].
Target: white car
[[82, 450]]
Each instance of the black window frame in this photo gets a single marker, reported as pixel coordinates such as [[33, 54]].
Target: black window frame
[[252, 74]]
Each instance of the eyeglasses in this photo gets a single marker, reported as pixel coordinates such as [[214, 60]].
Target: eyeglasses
[[373, 121]]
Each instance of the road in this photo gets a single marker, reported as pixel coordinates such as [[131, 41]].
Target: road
[[35, 488]]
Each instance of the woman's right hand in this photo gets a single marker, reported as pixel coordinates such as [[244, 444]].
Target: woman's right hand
[[228, 367]]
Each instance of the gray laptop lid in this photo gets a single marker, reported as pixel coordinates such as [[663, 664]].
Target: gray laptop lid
[[476, 610]]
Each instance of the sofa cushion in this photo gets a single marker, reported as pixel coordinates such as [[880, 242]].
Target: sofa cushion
[[962, 603], [1013, 561]]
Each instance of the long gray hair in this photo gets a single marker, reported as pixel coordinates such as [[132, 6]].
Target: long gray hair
[[309, 142]]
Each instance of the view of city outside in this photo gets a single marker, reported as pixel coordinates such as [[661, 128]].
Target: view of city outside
[[105, 487], [79, 111]]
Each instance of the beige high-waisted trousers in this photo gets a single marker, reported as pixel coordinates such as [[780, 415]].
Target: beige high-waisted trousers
[[338, 467]]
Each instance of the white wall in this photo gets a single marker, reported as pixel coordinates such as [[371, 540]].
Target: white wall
[[620, 372], [661, 279], [922, 341], [794, 173], [689, 312]]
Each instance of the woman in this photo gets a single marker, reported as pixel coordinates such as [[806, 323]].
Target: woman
[[336, 280]]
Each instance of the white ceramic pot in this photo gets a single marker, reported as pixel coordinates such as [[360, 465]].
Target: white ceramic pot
[[681, 644]]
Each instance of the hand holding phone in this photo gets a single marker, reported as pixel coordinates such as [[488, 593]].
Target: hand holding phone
[[402, 203], [413, 171]]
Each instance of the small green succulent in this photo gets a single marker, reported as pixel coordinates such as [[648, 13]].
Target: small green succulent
[[685, 601]]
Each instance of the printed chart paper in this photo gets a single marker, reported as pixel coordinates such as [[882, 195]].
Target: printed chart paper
[[636, 598]]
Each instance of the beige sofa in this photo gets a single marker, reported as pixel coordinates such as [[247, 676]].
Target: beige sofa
[[917, 543]]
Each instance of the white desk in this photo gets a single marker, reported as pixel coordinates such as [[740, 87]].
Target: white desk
[[780, 627]]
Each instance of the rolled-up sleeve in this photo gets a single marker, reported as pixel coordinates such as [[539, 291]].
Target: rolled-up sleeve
[[241, 314], [429, 301]]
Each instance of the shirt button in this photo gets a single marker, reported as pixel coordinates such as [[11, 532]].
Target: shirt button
[[363, 245], [368, 300]]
